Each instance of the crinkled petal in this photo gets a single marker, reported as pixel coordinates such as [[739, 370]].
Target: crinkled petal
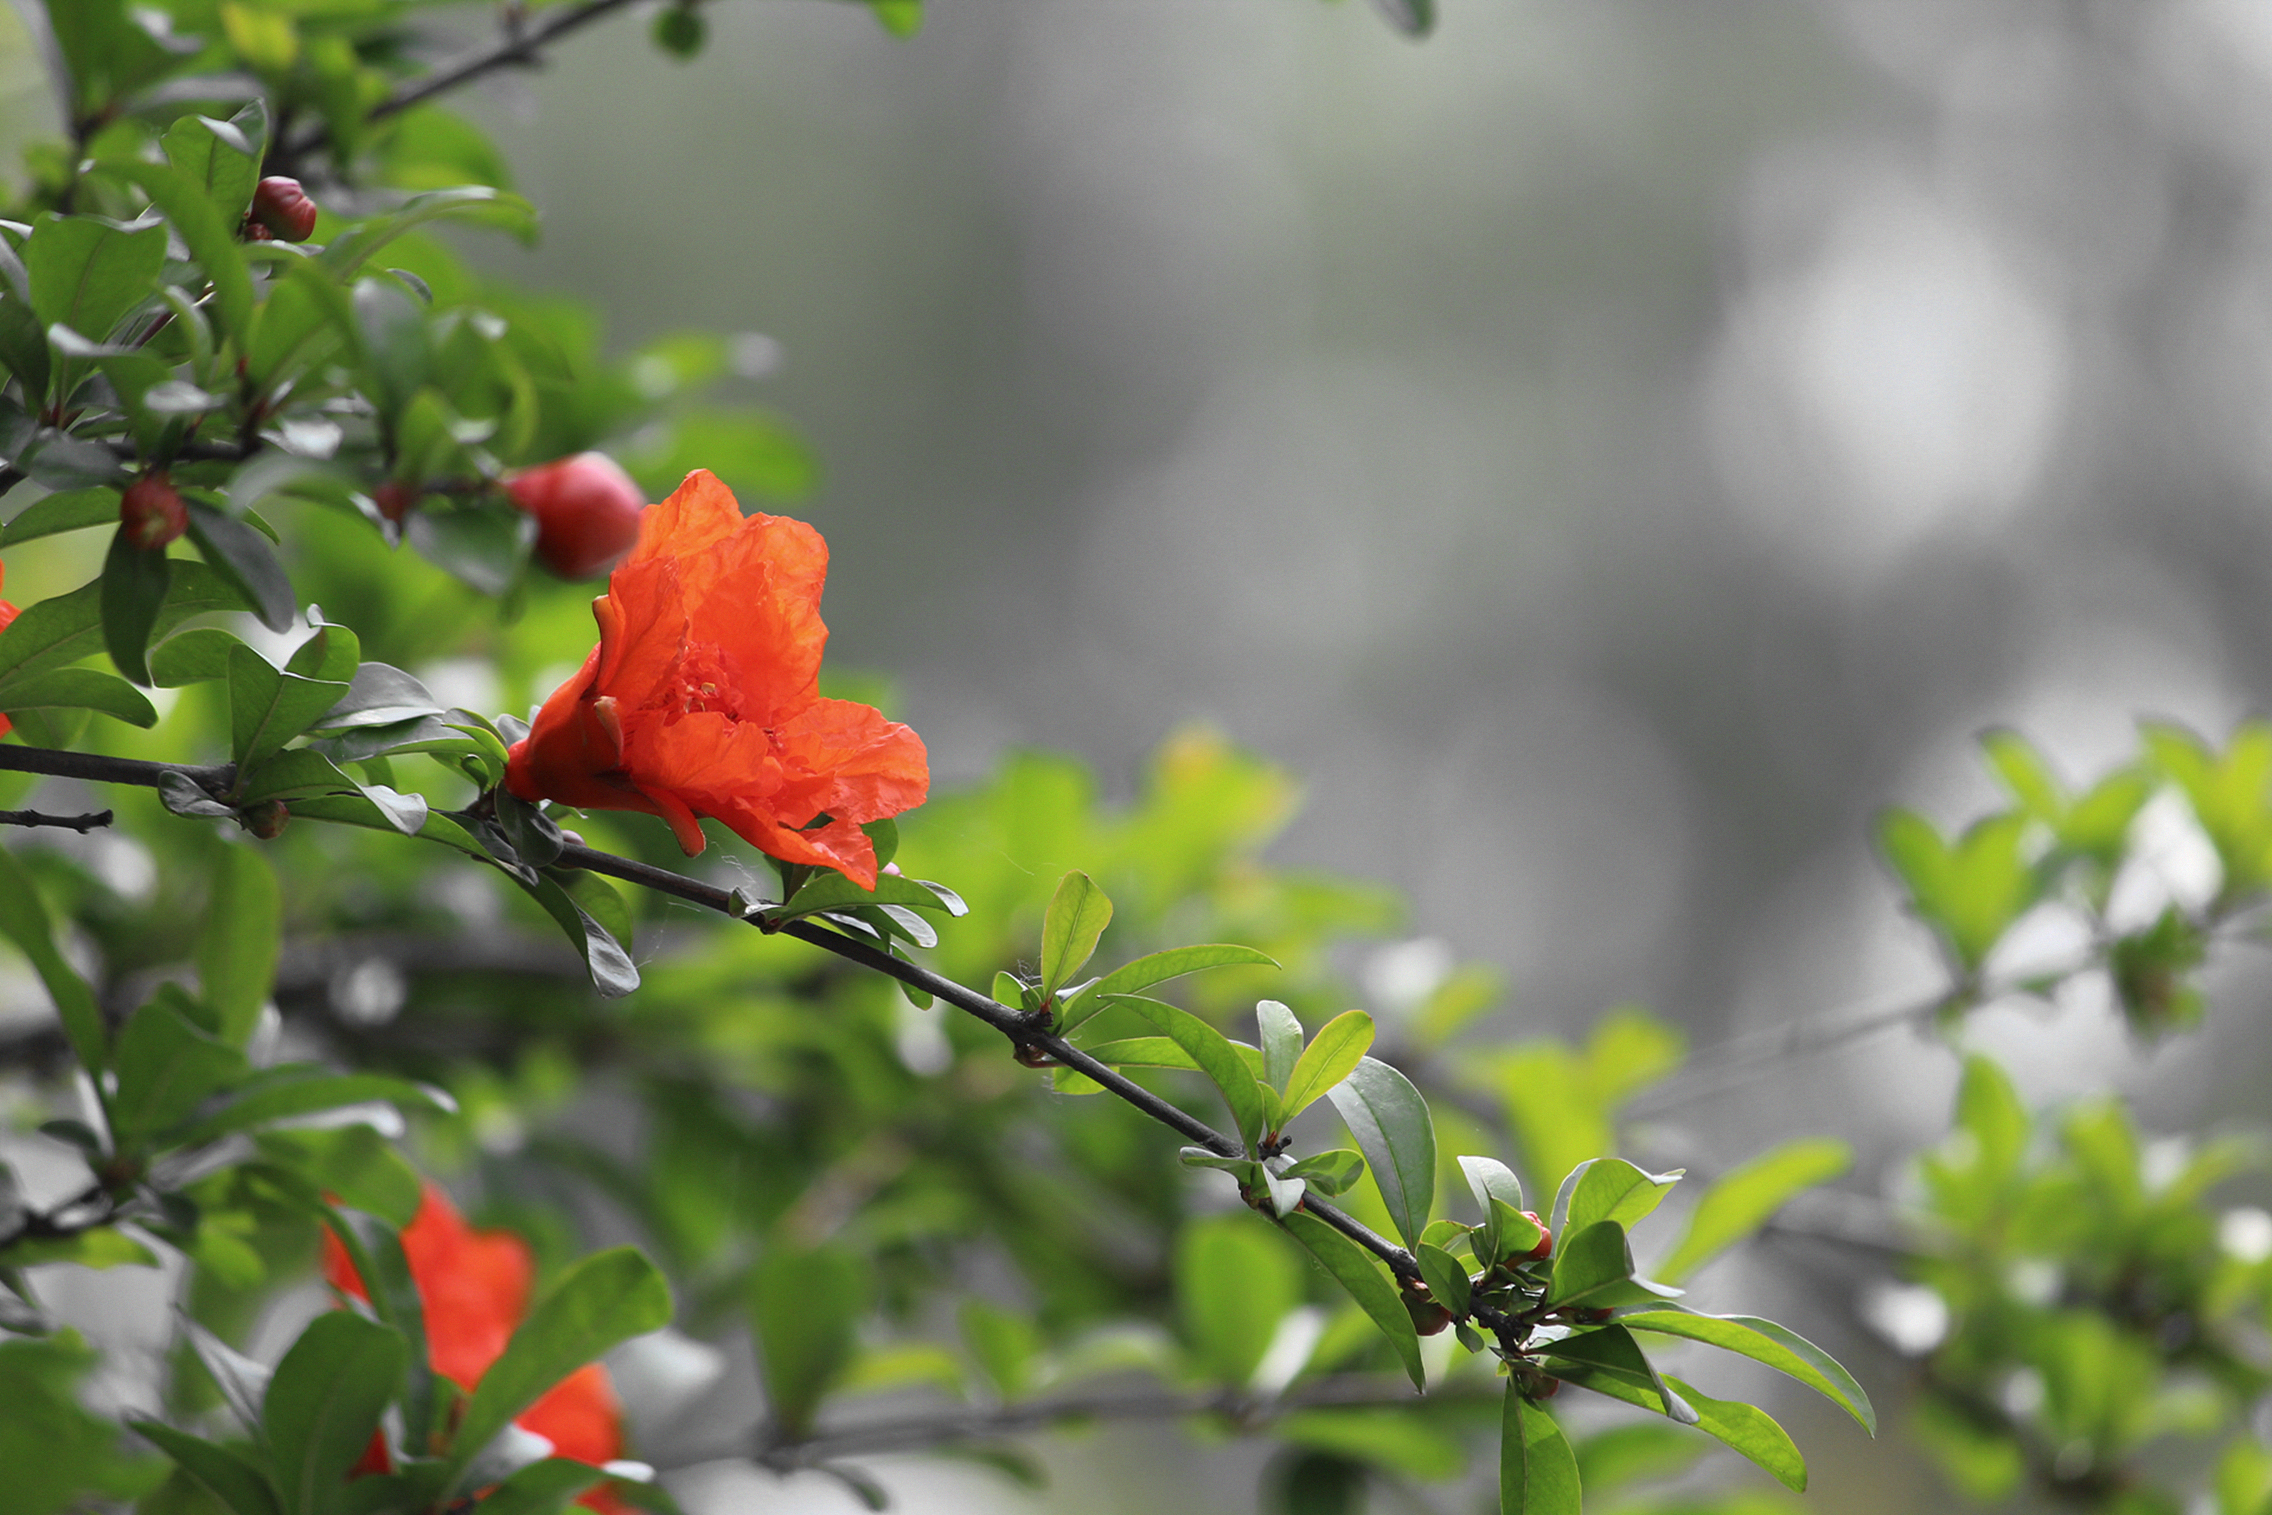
[[845, 760]]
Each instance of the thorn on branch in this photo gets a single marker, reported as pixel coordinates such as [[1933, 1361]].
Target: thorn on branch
[[79, 823]]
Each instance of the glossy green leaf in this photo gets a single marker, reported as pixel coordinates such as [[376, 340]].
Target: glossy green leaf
[[1610, 1188], [324, 1403], [1356, 1272], [71, 510], [1612, 1350], [1538, 1473], [1446, 1275], [1330, 1173], [1331, 1056], [1164, 1052], [1741, 1200], [135, 584], [268, 708], [353, 248], [1217, 1059], [87, 273], [244, 557], [220, 158], [1390, 1123], [1746, 1428], [612, 972], [1281, 1035], [1153, 968], [1488, 1179], [61, 630], [599, 1303], [80, 689], [392, 1290], [1076, 918], [211, 239], [1764, 1341], [1592, 1267]]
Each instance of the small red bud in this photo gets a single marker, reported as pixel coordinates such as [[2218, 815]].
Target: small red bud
[[1545, 1247], [151, 513], [265, 820], [586, 508], [284, 208], [394, 500], [1428, 1317]]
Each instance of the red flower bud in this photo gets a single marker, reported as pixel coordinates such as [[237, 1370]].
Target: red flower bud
[[394, 500], [151, 513], [265, 820], [586, 508], [1545, 1247], [1428, 1317], [284, 208]]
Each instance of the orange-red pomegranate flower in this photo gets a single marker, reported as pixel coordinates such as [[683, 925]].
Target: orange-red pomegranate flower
[[702, 697], [473, 1289]]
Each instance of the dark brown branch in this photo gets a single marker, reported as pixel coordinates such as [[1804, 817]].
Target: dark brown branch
[[518, 48], [79, 823]]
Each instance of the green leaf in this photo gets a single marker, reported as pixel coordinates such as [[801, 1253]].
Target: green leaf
[[80, 689], [1538, 1473], [1969, 892], [1331, 1056], [379, 695], [237, 1484], [101, 1247], [601, 1302], [1164, 1052], [612, 972], [68, 627], [354, 1163], [1490, 1180], [376, 1251], [1217, 1059], [1153, 968], [828, 890], [1610, 1188], [354, 247], [1077, 916], [1764, 1341], [294, 1089], [1005, 1344], [1593, 1268], [1234, 1281], [543, 1487], [1281, 1035], [212, 241], [23, 917], [1747, 1429], [1742, 1199], [806, 1308], [290, 775], [324, 1403], [87, 273], [71, 510], [1446, 1275], [1330, 1173], [166, 1066], [220, 158], [244, 557], [135, 584], [1612, 1350], [1391, 1125], [268, 708], [1356, 1272]]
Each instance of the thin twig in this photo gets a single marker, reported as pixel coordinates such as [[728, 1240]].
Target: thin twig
[[518, 48], [79, 823]]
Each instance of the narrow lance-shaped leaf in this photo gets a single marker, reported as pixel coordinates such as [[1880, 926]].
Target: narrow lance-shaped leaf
[[1281, 1035], [1610, 1188], [1076, 918], [1764, 1341], [323, 1404], [23, 917], [240, 1487], [601, 1302], [1391, 1125], [243, 936], [1216, 1058], [134, 585], [1329, 1058], [1153, 968], [1538, 1473], [1741, 1200], [1367, 1285], [1490, 1180]]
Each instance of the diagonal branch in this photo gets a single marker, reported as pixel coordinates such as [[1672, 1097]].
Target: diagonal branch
[[517, 48]]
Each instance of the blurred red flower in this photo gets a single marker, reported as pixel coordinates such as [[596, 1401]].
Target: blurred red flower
[[702, 698], [8, 614], [473, 1288]]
